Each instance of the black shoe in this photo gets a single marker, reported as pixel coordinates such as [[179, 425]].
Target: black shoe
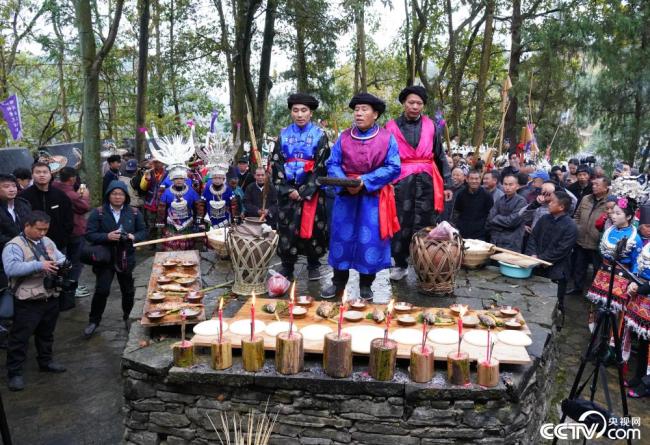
[[329, 292], [90, 330], [52, 367], [314, 274], [365, 293], [16, 383]]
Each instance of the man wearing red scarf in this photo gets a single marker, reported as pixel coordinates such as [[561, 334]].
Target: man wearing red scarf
[[420, 187]]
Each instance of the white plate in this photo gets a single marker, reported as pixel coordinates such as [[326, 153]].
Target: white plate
[[476, 338], [514, 338], [276, 327], [209, 328], [407, 336], [243, 327], [443, 336], [315, 332], [362, 336]]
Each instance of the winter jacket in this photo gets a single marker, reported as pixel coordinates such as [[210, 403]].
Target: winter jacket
[[552, 240], [10, 229], [505, 224], [585, 218], [101, 223], [58, 206], [80, 206]]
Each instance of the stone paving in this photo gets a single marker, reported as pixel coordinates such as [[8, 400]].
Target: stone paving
[[84, 405]]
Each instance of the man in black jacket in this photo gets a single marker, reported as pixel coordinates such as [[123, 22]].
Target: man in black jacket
[[42, 196], [582, 187], [113, 173], [552, 240], [254, 203], [471, 208]]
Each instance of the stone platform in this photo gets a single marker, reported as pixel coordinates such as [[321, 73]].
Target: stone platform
[[165, 403]]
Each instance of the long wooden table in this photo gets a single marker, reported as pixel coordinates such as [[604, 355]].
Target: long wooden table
[[157, 269], [506, 354]]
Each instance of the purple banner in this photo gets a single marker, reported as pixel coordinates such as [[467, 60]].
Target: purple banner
[[11, 113], [213, 121]]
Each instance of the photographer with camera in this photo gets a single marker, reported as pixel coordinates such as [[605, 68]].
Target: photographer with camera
[[115, 226], [36, 270]]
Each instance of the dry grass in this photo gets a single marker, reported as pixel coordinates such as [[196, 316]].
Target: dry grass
[[258, 431]]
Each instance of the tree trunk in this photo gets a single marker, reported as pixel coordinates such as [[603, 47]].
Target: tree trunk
[[159, 92], [225, 44], [511, 129], [172, 60], [302, 82], [361, 49], [486, 50], [410, 58], [91, 64], [56, 25], [265, 83], [141, 98]]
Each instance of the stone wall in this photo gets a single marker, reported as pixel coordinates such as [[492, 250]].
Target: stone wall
[[173, 407]]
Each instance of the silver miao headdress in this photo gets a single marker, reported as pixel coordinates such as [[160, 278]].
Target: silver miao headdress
[[216, 152], [173, 151]]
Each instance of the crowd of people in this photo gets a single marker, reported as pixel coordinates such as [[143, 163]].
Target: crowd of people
[[385, 183]]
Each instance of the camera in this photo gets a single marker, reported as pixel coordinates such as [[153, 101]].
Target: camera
[[59, 280]]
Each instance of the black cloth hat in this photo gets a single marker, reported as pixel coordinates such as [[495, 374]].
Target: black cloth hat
[[302, 99], [368, 99], [243, 159], [583, 168], [413, 89], [644, 214]]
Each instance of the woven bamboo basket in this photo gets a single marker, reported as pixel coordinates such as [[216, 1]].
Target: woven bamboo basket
[[436, 262], [217, 240], [251, 257], [476, 253]]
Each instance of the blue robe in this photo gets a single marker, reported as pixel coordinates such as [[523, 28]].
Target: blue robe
[[355, 241], [217, 216]]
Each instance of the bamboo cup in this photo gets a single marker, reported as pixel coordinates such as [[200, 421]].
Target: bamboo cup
[[183, 352], [221, 354], [382, 359], [458, 368], [488, 373], [421, 367], [252, 352], [289, 353], [337, 355]]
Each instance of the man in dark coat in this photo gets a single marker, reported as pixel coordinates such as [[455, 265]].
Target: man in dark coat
[[471, 208], [113, 173], [552, 240], [504, 222], [255, 206], [242, 172], [582, 187], [42, 196]]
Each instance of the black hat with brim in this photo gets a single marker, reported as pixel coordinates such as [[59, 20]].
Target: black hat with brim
[[368, 99], [302, 99], [413, 89]]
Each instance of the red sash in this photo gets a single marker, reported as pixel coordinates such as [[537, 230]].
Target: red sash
[[309, 206], [388, 221]]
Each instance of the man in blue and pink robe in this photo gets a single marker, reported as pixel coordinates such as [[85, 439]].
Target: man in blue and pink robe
[[364, 217], [420, 187]]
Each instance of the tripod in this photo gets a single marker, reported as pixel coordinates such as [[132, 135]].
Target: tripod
[[598, 348]]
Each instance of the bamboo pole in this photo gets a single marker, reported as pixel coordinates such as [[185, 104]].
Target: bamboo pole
[[252, 352], [289, 353], [221, 357], [488, 373], [383, 355], [337, 355], [458, 368], [421, 367], [512, 252], [171, 238]]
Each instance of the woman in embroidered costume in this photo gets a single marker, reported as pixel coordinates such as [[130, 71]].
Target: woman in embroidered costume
[[298, 159], [419, 189], [180, 200], [637, 317], [365, 216], [622, 217], [216, 195]]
